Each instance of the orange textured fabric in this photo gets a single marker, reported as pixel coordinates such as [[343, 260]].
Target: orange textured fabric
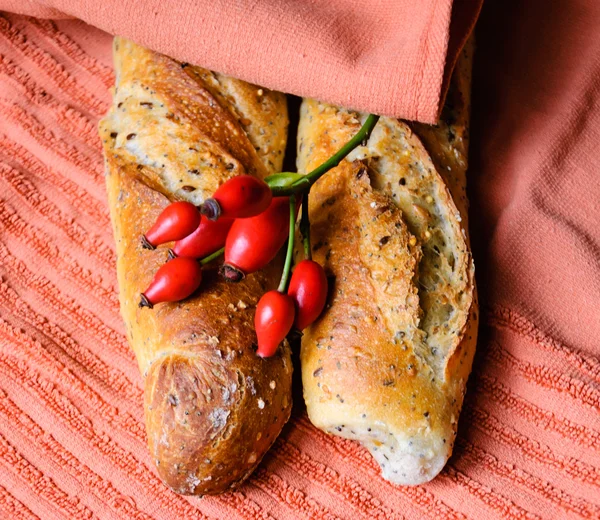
[[72, 441], [382, 56]]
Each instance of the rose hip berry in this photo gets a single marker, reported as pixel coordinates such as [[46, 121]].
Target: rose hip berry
[[174, 281], [273, 320], [308, 289], [243, 196], [176, 221], [209, 236], [253, 242]]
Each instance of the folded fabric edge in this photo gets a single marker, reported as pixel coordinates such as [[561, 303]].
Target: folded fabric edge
[[465, 14], [420, 99]]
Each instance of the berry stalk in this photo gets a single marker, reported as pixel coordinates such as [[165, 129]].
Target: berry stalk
[[305, 228], [285, 276], [208, 259], [305, 182]]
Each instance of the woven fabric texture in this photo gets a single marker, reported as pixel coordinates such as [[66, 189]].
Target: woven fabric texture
[[382, 56]]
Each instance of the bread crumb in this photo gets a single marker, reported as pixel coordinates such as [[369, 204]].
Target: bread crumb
[[250, 385], [272, 385], [252, 458], [164, 440], [193, 481], [241, 305], [261, 404], [218, 418], [285, 365], [226, 393]]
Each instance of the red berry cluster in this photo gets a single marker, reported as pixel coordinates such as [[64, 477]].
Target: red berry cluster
[[252, 226], [248, 220]]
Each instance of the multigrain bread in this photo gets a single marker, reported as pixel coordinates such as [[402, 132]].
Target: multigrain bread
[[176, 132], [388, 361]]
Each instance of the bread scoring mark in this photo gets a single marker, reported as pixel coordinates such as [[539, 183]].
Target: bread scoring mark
[[234, 96], [398, 166], [170, 164]]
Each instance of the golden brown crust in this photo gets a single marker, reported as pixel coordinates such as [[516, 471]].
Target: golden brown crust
[[387, 363], [177, 122], [212, 407]]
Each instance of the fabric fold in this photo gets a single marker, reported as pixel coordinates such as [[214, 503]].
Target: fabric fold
[[386, 56]]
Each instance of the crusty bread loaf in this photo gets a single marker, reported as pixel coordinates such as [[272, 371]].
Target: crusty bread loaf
[[176, 132], [387, 363]]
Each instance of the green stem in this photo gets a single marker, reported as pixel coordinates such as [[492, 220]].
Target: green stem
[[208, 259], [290, 248], [305, 228], [309, 179]]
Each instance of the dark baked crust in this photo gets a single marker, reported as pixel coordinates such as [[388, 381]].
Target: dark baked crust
[[212, 407]]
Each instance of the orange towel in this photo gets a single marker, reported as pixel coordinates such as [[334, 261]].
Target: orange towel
[[72, 442], [382, 56]]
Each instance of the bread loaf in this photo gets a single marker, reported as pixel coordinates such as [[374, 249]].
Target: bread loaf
[[176, 132], [387, 363]]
